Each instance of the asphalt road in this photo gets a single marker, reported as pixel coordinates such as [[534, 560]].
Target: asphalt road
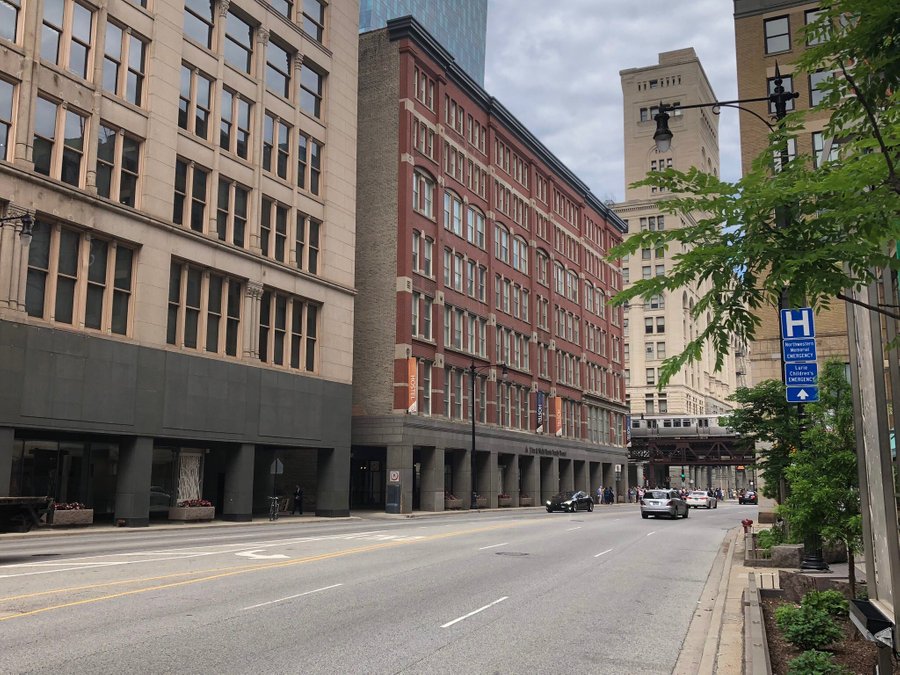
[[492, 592]]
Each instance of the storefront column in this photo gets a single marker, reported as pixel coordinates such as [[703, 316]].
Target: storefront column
[[595, 477], [487, 477], [531, 479], [238, 504], [582, 481], [133, 482], [400, 458], [549, 477], [622, 484], [432, 492], [566, 474], [7, 436], [462, 476], [608, 475], [511, 479], [332, 484]]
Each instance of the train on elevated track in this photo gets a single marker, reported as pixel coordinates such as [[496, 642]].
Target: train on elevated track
[[669, 426]]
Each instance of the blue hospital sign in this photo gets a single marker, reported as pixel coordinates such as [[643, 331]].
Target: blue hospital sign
[[797, 323]]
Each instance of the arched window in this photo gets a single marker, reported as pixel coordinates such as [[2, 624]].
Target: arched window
[[559, 278], [475, 227], [423, 193], [501, 243], [520, 254], [542, 261], [453, 208]]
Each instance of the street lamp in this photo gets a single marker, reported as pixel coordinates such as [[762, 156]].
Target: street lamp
[[27, 225], [473, 371]]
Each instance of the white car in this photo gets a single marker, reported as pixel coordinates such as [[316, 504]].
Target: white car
[[701, 499]]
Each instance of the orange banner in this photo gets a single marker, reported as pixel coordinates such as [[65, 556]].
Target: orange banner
[[556, 410], [412, 379]]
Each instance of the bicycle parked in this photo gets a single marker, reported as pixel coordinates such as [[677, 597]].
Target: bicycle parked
[[274, 505]]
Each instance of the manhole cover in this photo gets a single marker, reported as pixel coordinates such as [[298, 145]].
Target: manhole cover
[[515, 554]]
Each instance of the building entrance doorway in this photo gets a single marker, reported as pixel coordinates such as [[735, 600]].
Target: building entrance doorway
[[367, 478]]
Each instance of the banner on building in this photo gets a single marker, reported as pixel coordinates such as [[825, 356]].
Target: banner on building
[[412, 376], [556, 407], [540, 412], [627, 431]]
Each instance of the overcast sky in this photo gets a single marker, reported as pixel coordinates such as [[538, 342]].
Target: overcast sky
[[555, 66]]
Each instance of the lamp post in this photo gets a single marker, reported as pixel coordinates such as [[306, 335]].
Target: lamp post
[[27, 225], [473, 371]]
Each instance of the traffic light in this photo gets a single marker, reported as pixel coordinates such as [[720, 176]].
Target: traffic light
[[682, 475]]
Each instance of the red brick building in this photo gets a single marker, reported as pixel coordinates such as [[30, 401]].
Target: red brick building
[[476, 247]]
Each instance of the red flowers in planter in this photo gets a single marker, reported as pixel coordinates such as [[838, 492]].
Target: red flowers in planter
[[68, 506], [189, 503], [503, 495]]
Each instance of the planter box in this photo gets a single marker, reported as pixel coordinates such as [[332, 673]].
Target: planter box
[[504, 501], [481, 502], [452, 504], [526, 501], [191, 513], [73, 518]]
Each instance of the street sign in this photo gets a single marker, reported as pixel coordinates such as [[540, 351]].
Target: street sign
[[802, 349], [277, 468], [393, 476], [797, 323], [801, 374], [802, 394]]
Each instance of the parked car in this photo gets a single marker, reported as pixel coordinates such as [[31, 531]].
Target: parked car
[[701, 499], [663, 503], [571, 500], [748, 497]]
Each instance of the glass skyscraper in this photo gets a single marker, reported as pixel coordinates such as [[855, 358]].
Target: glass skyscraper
[[459, 25]]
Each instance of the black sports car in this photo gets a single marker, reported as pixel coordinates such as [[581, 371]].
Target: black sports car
[[571, 500]]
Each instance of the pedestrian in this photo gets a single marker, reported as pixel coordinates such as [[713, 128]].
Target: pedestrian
[[298, 501], [600, 495]]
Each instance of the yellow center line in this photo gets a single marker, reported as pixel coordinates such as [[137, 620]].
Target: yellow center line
[[217, 574]]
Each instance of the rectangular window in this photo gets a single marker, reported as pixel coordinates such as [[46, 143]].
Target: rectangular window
[[52, 158], [307, 243], [204, 309], [273, 222], [660, 324], [810, 16], [231, 212], [778, 35], [234, 127], [816, 95], [199, 16], [67, 35], [427, 252], [7, 91], [281, 331], [278, 70], [309, 164], [9, 19], [118, 161], [195, 101], [190, 195], [314, 19], [238, 42], [311, 82], [123, 48], [89, 291], [276, 146], [283, 7], [425, 388]]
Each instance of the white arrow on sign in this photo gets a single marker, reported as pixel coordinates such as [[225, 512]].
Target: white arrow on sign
[[255, 555], [802, 395]]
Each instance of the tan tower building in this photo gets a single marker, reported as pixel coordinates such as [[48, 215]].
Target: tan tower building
[[662, 326]]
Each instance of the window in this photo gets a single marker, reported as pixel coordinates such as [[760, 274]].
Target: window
[[195, 101], [52, 158], [816, 95], [198, 21], [778, 37], [238, 42], [314, 19], [790, 151], [66, 36], [311, 91], [90, 291], [276, 146], [283, 7], [309, 164], [282, 341], [788, 83], [423, 86], [453, 213], [660, 350], [811, 16], [651, 375], [660, 270], [501, 243], [648, 324], [278, 69], [231, 212], [818, 143], [423, 138], [427, 249], [475, 227], [273, 223], [423, 194], [520, 254], [660, 324], [190, 195], [234, 128], [307, 242], [118, 157], [204, 309], [123, 47], [542, 268], [7, 89], [9, 19]]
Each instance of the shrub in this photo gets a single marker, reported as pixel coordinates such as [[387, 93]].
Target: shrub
[[192, 503], [807, 627], [814, 662], [769, 538], [830, 601]]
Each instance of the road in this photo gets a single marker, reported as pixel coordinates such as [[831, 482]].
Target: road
[[491, 592]]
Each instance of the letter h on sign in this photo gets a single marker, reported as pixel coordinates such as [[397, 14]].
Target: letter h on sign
[[797, 323]]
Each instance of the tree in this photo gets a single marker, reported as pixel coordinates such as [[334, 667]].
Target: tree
[[765, 417], [824, 496], [808, 231]]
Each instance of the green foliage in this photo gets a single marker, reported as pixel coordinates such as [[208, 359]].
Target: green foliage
[[804, 228], [769, 538], [832, 602], [814, 662], [807, 627]]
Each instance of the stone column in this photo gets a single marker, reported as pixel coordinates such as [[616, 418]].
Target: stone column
[[511, 479], [238, 504], [400, 458], [608, 476], [488, 479], [133, 482], [7, 438], [581, 476], [549, 477], [622, 485], [595, 477], [566, 474], [333, 489], [432, 491], [252, 302], [462, 476], [530, 478]]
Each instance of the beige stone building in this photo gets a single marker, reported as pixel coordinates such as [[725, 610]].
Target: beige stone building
[[768, 32], [182, 314]]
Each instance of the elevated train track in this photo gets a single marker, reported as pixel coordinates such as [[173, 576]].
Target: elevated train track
[[686, 440]]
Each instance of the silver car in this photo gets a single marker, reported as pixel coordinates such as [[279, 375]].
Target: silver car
[[663, 503]]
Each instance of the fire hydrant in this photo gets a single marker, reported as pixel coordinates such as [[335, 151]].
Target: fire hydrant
[[748, 524]]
